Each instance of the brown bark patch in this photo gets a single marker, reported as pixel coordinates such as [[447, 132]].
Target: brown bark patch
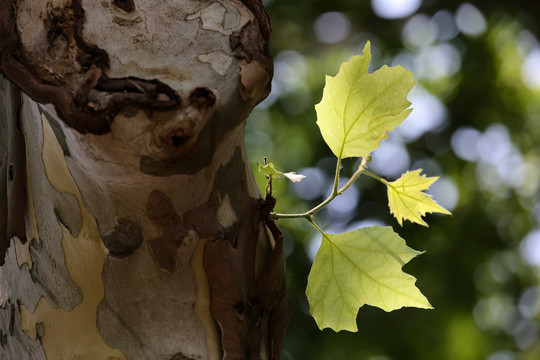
[[175, 228], [250, 310], [249, 45], [202, 98], [12, 169], [126, 5], [257, 8], [124, 239], [160, 210]]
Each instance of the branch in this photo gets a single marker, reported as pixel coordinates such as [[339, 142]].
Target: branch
[[335, 192]]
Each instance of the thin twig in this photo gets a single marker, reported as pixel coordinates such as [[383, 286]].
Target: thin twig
[[335, 192]]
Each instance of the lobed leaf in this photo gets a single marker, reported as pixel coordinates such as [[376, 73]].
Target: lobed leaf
[[407, 201], [358, 109], [360, 267]]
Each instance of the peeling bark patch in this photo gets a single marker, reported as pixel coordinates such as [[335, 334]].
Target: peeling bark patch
[[126, 22], [181, 356], [12, 170], [250, 311], [249, 45], [272, 291], [254, 80], [123, 240], [257, 8], [161, 212], [14, 343], [202, 99], [58, 19], [211, 18], [219, 61], [60, 136], [67, 211], [11, 320], [79, 97], [126, 5], [202, 302], [8, 38], [225, 214], [69, 280]]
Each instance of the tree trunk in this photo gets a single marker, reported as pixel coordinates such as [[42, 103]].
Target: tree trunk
[[131, 225]]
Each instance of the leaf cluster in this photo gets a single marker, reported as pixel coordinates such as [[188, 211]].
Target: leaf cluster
[[363, 266]]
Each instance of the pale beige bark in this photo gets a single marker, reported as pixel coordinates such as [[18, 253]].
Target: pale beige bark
[[144, 235]]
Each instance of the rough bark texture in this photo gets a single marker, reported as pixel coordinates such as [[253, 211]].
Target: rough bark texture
[[129, 219]]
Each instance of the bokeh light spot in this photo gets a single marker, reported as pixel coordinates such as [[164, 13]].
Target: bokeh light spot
[[530, 69], [313, 246], [428, 114], [495, 145], [525, 334], [446, 25], [390, 159], [290, 69], [313, 186], [445, 192], [439, 61], [530, 248], [332, 27], [529, 302], [428, 165], [470, 20], [501, 355], [493, 312], [464, 143], [342, 209], [419, 31], [500, 158], [365, 223], [395, 9]]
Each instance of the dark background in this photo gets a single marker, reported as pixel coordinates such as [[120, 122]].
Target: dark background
[[475, 123]]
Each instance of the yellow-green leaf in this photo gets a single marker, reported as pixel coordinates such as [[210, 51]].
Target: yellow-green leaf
[[360, 267], [407, 201], [358, 109], [270, 171]]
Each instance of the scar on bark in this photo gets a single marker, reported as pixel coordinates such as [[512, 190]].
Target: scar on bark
[[72, 104], [77, 105], [126, 5]]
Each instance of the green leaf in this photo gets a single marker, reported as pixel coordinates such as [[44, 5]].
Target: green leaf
[[270, 171], [407, 201], [360, 267], [358, 109]]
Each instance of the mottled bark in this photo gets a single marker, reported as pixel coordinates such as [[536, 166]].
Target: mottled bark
[[130, 222]]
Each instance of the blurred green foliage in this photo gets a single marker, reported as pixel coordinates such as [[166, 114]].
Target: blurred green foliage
[[476, 124]]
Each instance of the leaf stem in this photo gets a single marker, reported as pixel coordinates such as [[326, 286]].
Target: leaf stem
[[310, 220], [376, 177], [361, 169], [335, 192], [336, 178]]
